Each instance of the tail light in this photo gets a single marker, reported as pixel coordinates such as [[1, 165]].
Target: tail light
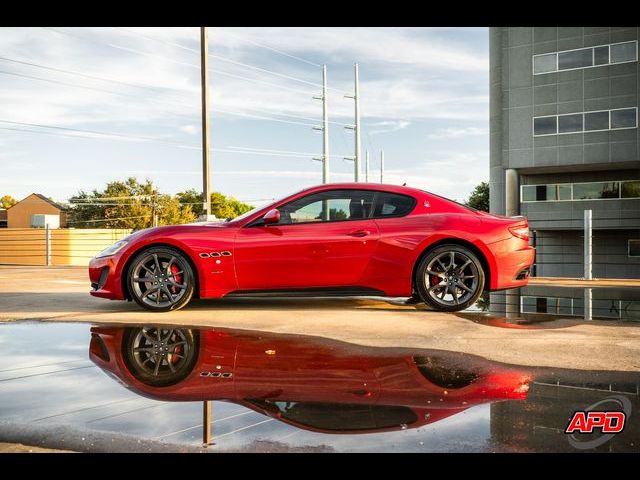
[[520, 231]]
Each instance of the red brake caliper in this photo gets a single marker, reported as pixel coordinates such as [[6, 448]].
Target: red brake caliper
[[177, 351], [434, 280], [176, 278]]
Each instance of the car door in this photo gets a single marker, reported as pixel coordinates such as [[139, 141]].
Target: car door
[[282, 369], [325, 239]]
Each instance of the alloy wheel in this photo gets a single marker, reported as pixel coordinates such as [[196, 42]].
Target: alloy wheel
[[159, 280], [158, 352], [451, 278]]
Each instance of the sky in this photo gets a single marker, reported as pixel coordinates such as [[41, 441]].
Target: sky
[[80, 107]]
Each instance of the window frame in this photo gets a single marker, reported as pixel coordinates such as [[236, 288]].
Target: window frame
[[376, 193], [629, 247], [583, 131], [571, 184], [593, 65]]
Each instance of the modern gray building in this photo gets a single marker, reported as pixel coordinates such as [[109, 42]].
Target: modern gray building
[[565, 138]]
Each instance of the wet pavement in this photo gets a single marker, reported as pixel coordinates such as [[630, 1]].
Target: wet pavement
[[137, 387]]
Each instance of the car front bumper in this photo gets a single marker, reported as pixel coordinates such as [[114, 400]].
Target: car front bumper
[[104, 277]]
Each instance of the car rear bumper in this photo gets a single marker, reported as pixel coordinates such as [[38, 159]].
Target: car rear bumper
[[514, 259], [105, 282]]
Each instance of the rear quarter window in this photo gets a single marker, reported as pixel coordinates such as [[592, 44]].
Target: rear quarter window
[[393, 205]]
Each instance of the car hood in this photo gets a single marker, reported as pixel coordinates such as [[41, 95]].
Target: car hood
[[173, 229]]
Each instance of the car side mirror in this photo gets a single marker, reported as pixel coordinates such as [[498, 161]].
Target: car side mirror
[[271, 217]]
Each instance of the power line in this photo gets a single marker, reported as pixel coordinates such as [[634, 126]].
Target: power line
[[262, 117], [262, 82], [85, 75], [118, 47], [96, 132], [264, 70], [107, 219], [233, 150], [131, 137], [235, 62], [31, 77], [192, 65], [273, 49]]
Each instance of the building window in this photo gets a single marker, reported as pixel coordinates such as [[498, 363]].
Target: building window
[[585, 57], [596, 121], [618, 119], [575, 59], [634, 248], [545, 126], [630, 189], [625, 118], [624, 52], [559, 192], [570, 123], [545, 193], [545, 63], [596, 190]]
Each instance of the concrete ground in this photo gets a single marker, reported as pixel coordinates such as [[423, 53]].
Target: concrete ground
[[61, 294]]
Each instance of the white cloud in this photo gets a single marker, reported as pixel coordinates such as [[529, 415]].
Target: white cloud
[[388, 126], [455, 132], [190, 129]]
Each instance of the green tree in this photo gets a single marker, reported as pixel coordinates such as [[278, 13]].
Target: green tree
[[479, 198], [127, 204], [222, 206], [7, 201]]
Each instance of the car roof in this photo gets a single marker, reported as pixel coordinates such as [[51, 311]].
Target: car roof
[[386, 187]]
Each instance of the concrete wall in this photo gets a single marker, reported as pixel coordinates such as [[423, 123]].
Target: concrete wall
[[27, 246], [19, 216], [517, 96], [560, 254]]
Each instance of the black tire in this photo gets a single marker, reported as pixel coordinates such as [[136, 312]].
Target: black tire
[[168, 282], [460, 276], [160, 356]]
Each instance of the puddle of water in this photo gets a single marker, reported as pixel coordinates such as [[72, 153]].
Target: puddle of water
[[292, 391], [542, 304]]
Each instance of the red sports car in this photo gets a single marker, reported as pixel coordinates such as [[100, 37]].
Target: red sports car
[[321, 385], [337, 239]]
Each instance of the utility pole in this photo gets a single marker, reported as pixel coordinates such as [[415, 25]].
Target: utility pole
[[356, 126], [206, 166], [366, 166], [206, 423], [381, 166], [154, 208], [324, 128]]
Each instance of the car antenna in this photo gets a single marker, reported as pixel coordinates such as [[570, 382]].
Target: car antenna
[[404, 184]]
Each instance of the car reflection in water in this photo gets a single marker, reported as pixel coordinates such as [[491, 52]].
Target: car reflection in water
[[316, 384]]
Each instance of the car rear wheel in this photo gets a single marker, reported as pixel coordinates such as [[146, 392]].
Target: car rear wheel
[[161, 279], [450, 278], [159, 356]]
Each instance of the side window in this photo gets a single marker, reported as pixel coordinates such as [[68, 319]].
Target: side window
[[330, 206], [393, 205]]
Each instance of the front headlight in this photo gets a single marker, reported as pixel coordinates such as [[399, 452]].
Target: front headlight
[[112, 250]]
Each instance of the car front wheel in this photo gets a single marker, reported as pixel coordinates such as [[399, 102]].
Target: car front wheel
[[161, 279], [450, 278], [159, 356]]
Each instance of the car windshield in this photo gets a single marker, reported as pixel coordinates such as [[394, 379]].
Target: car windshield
[[266, 207]]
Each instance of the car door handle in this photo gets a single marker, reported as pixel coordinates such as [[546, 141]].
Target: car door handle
[[359, 233]]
